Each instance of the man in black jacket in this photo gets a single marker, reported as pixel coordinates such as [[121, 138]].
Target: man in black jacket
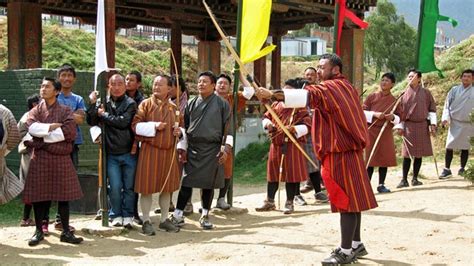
[[117, 118]]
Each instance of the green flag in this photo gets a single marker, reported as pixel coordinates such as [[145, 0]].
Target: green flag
[[429, 17]]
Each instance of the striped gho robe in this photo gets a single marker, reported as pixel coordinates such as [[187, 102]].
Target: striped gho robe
[[339, 133], [416, 104], [294, 164], [156, 159]]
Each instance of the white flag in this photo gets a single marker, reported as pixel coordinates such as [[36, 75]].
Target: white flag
[[100, 52]]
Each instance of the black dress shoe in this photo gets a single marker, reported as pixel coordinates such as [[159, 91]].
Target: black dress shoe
[[403, 183], [69, 237], [415, 182], [37, 237]]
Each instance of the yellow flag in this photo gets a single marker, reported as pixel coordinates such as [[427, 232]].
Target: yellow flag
[[255, 24]]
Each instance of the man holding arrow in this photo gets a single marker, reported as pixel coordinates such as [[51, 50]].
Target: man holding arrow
[[340, 135], [377, 108]]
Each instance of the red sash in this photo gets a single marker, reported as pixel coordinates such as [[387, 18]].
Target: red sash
[[336, 194]]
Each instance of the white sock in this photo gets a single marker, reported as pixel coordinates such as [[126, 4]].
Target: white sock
[[164, 201], [145, 204], [355, 244], [346, 251], [178, 213], [204, 212]]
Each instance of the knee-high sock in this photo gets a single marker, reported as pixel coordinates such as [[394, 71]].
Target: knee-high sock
[[145, 204], [348, 228], [382, 175], [416, 167], [448, 158], [40, 209], [297, 190], [27, 211], [291, 190], [464, 156], [184, 196], [370, 172], [406, 167], [63, 211], [315, 178], [272, 188], [164, 201], [206, 198], [135, 207], [357, 230], [223, 190]]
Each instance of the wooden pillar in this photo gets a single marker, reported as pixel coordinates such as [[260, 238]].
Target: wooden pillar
[[176, 43], [352, 55], [24, 35], [276, 62], [260, 71], [110, 32], [209, 56]]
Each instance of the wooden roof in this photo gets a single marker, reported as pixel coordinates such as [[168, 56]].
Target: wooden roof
[[286, 14]]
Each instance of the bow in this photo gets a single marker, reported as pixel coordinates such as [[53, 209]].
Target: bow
[[254, 85], [176, 123]]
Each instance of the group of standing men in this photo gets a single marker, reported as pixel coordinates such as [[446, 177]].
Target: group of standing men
[[340, 134]]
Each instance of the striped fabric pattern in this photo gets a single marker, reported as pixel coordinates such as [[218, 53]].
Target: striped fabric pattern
[[156, 159], [416, 104], [339, 133], [294, 164]]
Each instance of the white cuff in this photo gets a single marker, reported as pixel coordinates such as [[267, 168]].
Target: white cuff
[[39, 130], [54, 136], [183, 143], [295, 98], [400, 125], [432, 117], [301, 130], [248, 92], [95, 132], [146, 129], [369, 115], [229, 140], [265, 123], [396, 120]]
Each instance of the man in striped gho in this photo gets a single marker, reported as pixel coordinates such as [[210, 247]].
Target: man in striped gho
[[339, 132]]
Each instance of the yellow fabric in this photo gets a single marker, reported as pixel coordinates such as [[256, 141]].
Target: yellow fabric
[[255, 24]]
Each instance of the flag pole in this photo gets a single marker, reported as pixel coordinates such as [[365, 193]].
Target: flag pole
[[418, 39], [336, 27], [103, 157], [230, 191]]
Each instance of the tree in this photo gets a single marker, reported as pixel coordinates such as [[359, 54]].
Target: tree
[[389, 41]]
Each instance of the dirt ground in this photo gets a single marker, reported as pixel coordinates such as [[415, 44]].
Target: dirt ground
[[430, 224]]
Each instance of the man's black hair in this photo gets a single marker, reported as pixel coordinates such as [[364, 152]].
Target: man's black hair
[[182, 84], [334, 59], [210, 75], [467, 71], [66, 68], [390, 76], [35, 98], [296, 83], [310, 68], [137, 74], [56, 84], [225, 76], [418, 72]]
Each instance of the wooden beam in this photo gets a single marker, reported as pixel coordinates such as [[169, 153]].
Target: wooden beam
[[176, 43], [276, 62], [110, 31]]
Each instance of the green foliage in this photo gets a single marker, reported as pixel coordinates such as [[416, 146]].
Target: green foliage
[[251, 164], [469, 172], [389, 41]]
